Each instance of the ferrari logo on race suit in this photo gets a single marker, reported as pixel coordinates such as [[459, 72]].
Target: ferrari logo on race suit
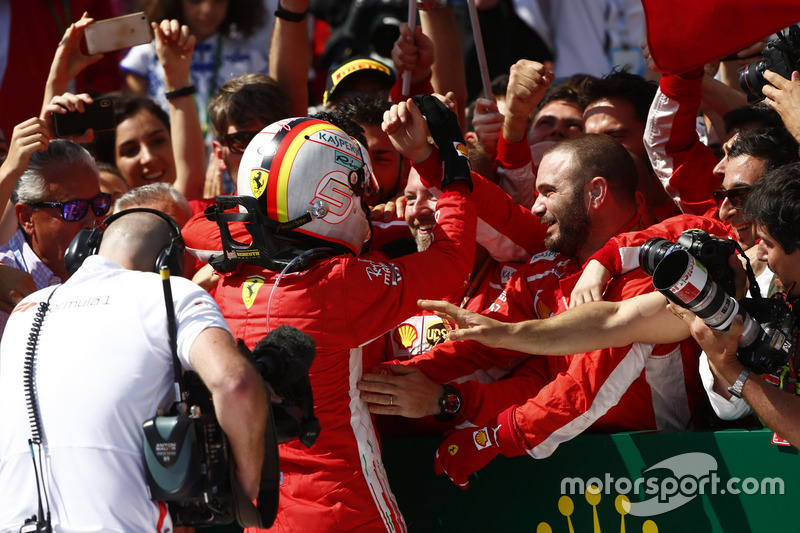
[[258, 181], [250, 290], [452, 449]]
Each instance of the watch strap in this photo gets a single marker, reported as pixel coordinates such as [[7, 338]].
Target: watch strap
[[450, 404], [738, 385], [290, 16], [183, 91]]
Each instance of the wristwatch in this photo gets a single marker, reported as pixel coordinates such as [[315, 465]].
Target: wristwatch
[[450, 404], [736, 388]]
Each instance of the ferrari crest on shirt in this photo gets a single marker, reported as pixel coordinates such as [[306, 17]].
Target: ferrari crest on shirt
[[250, 290]]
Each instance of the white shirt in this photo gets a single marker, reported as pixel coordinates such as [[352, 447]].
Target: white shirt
[[103, 367], [18, 254], [733, 408], [214, 61]]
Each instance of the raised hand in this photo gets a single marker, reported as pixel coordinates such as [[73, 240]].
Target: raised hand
[[174, 47]]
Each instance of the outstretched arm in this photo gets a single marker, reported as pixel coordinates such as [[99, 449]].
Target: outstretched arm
[[174, 46], [290, 56], [592, 326], [778, 409], [68, 61]]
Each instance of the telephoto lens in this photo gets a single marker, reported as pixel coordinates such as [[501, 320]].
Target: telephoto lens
[[685, 281]]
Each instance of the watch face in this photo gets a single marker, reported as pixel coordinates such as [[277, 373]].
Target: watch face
[[452, 403]]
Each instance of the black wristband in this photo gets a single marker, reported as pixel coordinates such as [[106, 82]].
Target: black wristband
[[183, 91], [290, 16]]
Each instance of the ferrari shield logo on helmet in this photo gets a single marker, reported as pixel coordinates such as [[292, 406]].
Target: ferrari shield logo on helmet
[[258, 181]]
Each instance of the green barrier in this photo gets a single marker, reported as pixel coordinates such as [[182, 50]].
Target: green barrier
[[722, 481]]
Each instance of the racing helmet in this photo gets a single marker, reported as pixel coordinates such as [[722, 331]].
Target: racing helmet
[[310, 178]]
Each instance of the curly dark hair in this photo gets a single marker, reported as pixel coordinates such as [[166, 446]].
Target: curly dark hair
[[775, 204], [624, 85], [775, 146], [244, 16], [364, 109]]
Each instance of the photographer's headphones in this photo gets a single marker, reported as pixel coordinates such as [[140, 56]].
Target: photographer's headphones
[[87, 242]]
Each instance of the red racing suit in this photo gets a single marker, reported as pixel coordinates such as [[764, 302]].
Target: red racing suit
[[621, 253], [683, 164], [635, 387], [339, 484]]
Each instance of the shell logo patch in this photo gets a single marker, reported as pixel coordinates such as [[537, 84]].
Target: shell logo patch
[[406, 334], [452, 449], [461, 148], [481, 438], [258, 181], [250, 290], [542, 310]]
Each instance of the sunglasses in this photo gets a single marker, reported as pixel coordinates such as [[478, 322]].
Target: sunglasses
[[76, 210], [736, 196], [237, 142]]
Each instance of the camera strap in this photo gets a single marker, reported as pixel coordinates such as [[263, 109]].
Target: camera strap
[[172, 332], [262, 514]]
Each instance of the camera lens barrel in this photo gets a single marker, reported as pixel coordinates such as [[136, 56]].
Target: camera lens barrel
[[652, 252], [683, 280]]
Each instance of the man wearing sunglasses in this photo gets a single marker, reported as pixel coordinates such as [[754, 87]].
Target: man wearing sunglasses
[[241, 108], [748, 156], [56, 197]]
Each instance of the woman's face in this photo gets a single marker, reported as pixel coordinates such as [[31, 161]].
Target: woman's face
[[143, 150], [204, 16]]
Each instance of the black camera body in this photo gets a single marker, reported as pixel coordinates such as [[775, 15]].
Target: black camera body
[[711, 252], [773, 348], [781, 56], [679, 273], [188, 462]]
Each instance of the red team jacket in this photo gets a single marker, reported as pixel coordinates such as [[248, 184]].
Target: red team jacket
[[635, 387]]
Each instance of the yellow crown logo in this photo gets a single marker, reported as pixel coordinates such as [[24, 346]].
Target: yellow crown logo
[[622, 504]]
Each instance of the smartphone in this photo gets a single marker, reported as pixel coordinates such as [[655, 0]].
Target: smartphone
[[117, 33], [98, 116]]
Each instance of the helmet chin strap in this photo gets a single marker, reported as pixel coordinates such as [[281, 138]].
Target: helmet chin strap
[[266, 250]]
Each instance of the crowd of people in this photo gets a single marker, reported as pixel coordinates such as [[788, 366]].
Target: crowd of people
[[477, 268]]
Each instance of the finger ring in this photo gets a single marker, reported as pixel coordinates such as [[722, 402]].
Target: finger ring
[[768, 101], [391, 400]]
